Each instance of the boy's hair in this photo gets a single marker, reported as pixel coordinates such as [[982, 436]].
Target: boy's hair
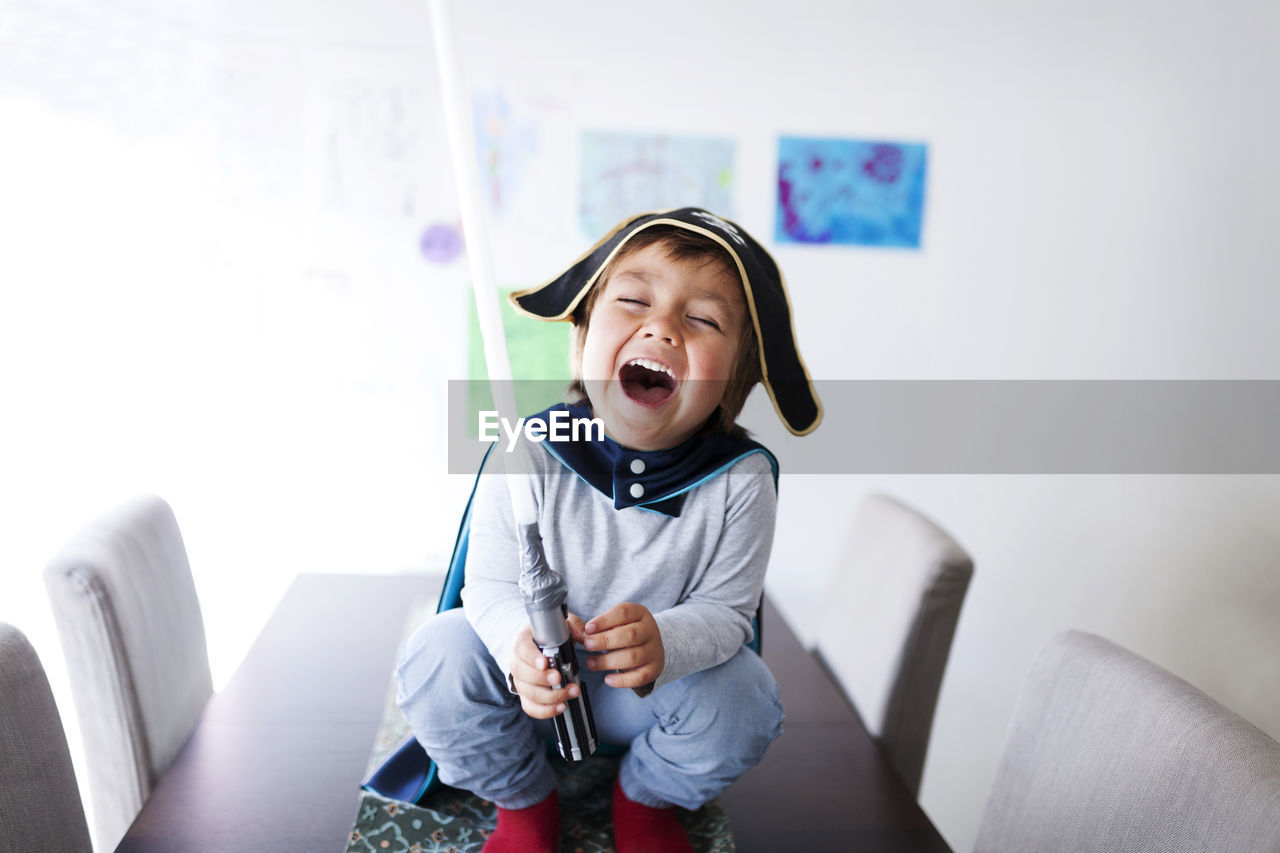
[[690, 247]]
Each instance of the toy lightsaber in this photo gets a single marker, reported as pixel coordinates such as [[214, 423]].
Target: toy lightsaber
[[544, 600], [543, 590]]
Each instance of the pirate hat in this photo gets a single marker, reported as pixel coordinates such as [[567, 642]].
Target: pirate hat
[[783, 371]]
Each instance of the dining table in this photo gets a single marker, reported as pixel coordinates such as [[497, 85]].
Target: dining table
[[277, 758]]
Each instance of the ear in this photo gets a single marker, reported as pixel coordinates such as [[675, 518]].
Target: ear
[[577, 339]]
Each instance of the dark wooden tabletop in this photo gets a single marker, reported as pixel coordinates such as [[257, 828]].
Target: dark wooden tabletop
[[277, 758]]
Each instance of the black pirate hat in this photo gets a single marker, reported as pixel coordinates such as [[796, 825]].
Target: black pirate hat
[[783, 371]]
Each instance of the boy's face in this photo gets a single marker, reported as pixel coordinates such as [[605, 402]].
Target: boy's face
[[661, 343]]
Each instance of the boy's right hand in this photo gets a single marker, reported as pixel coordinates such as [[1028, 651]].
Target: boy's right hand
[[538, 686]]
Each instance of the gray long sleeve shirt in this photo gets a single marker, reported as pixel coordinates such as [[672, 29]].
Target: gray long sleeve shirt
[[701, 574]]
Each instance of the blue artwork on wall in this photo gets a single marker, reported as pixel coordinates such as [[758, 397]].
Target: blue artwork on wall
[[850, 191]]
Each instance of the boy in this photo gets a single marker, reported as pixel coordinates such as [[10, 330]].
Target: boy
[[661, 531]]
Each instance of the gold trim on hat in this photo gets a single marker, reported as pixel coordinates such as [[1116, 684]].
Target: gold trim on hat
[[567, 313]]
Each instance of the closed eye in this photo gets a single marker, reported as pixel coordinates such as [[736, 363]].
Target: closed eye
[[707, 321], [631, 301]]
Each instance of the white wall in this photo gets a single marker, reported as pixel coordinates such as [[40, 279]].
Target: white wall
[[210, 287]]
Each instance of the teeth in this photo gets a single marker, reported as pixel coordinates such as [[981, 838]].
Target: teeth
[[652, 365]]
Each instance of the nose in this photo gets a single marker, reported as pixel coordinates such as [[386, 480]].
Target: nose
[[662, 327]]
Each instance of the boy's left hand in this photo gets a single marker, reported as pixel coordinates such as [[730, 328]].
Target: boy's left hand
[[626, 638]]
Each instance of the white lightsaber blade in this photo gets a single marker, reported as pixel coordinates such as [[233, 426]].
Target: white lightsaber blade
[[462, 146]]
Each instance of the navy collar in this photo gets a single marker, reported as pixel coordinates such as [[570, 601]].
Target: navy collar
[[657, 480]]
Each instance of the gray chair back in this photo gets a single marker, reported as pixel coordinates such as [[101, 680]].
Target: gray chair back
[[126, 609], [1109, 752], [39, 802], [887, 622]]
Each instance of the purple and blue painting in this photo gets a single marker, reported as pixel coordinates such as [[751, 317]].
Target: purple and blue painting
[[849, 191]]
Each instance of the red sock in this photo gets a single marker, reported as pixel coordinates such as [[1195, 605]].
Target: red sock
[[638, 828], [532, 830]]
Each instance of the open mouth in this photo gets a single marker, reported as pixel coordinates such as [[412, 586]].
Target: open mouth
[[647, 381]]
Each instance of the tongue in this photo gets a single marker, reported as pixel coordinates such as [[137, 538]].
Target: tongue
[[646, 386], [646, 393]]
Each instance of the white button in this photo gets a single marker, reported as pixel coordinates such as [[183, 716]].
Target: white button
[[637, 466], [637, 490]]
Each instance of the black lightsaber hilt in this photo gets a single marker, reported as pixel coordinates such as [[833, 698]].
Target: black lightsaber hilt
[[575, 728]]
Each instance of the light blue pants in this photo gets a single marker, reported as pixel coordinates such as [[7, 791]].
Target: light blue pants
[[689, 739]]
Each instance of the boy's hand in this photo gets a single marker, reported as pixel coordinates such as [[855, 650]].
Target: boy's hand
[[539, 686], [627, 639]]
